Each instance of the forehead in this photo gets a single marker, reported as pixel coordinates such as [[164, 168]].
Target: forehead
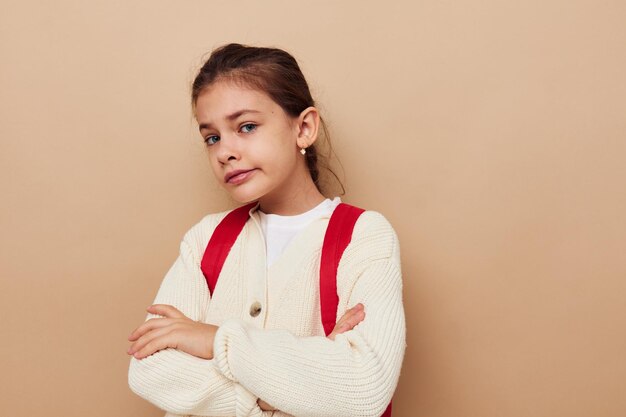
[[225, 98]]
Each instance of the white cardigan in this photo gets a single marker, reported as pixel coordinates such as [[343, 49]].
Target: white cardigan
[[281, 355]]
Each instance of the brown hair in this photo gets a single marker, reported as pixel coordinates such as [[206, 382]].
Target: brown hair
[[272, 71]]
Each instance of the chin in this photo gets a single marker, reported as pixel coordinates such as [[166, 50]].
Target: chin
[[245, 196], [244, 201]]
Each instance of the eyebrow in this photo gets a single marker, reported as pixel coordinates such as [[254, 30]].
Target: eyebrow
[[230, 117]]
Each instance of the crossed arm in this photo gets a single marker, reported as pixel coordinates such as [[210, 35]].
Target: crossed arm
[[177, 331], [174, 365]]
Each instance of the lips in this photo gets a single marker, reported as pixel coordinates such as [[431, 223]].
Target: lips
[[232, 174]]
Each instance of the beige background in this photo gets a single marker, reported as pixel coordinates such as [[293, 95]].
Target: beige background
[[490, 133]]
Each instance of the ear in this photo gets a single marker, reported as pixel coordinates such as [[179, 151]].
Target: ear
[[308, 126]]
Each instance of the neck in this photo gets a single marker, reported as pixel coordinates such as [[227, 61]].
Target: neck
[[294, 202]]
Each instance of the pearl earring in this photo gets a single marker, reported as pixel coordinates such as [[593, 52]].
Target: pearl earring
[[302, 151]]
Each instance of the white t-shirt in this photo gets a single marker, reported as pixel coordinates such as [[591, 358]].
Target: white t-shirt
[[280, 230]]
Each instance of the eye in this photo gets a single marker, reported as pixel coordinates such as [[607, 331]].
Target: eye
[[210, 140], [248, 127]]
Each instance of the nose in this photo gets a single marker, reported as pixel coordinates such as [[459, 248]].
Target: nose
[[228, 150]]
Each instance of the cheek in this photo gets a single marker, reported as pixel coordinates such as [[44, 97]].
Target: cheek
[[287, 161], [215, 168], [286, 149], [275, 154]]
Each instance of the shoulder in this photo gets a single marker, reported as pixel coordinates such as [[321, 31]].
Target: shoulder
[[198, 235], [371, 221], [373, 238], [374, 247]]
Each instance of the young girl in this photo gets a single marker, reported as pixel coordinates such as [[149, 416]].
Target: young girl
[[256, 345]]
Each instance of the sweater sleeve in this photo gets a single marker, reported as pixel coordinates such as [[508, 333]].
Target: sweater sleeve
[[354, 375], [178, 382]]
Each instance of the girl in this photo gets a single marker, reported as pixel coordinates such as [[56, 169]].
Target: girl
[[255, 345]]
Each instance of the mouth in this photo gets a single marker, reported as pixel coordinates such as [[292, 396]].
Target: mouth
[[238, 176]]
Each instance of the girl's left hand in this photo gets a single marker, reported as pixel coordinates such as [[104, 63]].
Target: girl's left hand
[[175, 330]]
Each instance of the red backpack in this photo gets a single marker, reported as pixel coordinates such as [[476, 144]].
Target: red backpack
[[337, 237]]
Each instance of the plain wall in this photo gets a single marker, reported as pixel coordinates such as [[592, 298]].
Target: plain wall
[[490, 133]]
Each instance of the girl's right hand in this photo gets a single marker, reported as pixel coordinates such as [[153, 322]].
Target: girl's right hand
[[174, 330], [351, 318]]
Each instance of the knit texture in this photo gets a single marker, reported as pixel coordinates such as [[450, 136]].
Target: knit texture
[[281, 354]]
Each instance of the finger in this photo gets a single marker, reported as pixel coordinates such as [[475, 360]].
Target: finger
[[350, 321], [143, 341], [148, 326], [341, 324], [341, 328], [166, 310], [355, 318], [349, 314], [265, 406], [353, 310], [151, 342]]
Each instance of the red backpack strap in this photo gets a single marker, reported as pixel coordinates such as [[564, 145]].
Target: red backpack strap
[[337, 238], [338, 235], [220, 243]]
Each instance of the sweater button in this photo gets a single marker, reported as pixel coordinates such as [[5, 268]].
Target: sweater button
[[255, 309]]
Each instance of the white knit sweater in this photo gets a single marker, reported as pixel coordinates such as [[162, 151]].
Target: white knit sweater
[[281, 355]]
